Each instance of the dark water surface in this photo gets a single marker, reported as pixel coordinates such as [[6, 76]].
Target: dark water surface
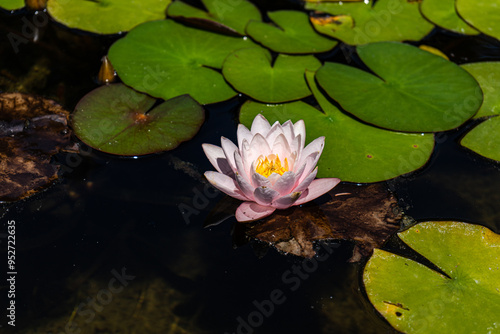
[[107, 249]]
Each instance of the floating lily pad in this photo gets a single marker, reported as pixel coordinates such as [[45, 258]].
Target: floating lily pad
[[444, 14], [484, 15], [118, 120], [166, 59], [12, 4], [487, 74], [369, 21], [366, 215], [106, 16], [412, 90], [251, 72], [464, 298], [221, 14], [484, 139], [354, 152], [32, 131], [293, 33]]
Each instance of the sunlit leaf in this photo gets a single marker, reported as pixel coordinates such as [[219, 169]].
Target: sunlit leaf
[[293, 33], [221, 14], [354, 152], [118, 120], [484, 139], [251, 72], [487, 74], [369, 21], [484, 15], [444, 14], [412, 90], [166, 59], [11, 4], [106, 16], [414, 298]]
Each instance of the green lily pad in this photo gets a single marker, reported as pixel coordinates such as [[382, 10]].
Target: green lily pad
[[118, 120], [106, 16], [484, 15], [166, 59], [487, 74], [223, 14], [484, 139], [417, 299], [251, 72], [367, 22], [354, 152], [412, 89], [444, 14], [293, 33], [12, 4]]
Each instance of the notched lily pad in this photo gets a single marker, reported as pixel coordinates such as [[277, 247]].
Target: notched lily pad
[[366, 215], [487, 74], [293, 33], [484, 139], [412, 90], [118, 120], [221, 15], [444, 14], [166, 59], [463, 298], [484, 15], [252, 72], [106, 16], [363, 22], [32, 130]]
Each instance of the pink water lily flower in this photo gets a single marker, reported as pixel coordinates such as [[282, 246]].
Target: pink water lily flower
[[269, 169]]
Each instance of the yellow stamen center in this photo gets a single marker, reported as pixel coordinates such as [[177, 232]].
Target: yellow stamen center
[[271, 164]]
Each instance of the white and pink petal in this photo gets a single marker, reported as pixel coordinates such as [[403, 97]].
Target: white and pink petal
[[225, 184], [249, 211], [317, 188]]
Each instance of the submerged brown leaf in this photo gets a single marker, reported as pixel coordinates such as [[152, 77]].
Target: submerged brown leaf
[[367, 215], [32, 130]]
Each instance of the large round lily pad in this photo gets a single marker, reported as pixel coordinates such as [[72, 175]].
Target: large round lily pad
[[464, 298], [166, 59], [221, 14], [362, 22], [483, 15], [354, 152], [106, 16], [444, 14], [250, 71], [292, 33], [12, 4], [118, 120], [487, 74], [412, 90], [484, 139]]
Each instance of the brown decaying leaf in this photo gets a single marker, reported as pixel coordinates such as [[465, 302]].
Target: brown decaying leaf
[[367, 215], [32, 130]]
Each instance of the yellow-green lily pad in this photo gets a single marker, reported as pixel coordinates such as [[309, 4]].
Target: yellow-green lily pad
[[166, 59], [106, 16], [484, 15], [411, 89], [12, 4], [292, 33], [444, 14], [118, 120], [487, 74], [221, 14], [251, 72], [354, 151], [484, 139], [463, 298], [363, 22]]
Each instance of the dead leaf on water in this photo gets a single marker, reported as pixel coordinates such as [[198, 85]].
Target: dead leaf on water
[[32, 130]]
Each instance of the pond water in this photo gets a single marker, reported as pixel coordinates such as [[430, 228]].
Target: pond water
[[107, 249]]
